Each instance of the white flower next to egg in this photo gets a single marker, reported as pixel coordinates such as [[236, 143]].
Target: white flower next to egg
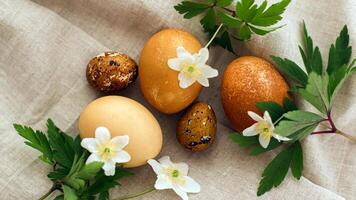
[[107, 150], [173, 176], [192, 67], [263, 127]]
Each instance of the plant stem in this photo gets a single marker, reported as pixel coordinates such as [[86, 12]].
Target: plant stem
[[212, 38], [137, 194], [233, 13], [334, 130], [53, 188]]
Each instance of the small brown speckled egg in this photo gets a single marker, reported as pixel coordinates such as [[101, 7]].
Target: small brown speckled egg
[[197, 128], [111, 72]]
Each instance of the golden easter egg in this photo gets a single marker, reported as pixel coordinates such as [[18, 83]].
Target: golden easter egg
[[159, 83], [124, 116], [246, 81]]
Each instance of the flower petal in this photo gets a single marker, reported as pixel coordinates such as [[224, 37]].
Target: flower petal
[[93, 158], [280, 138], [91, 144], [182, 167], [102, 134], [182, 53], [180, 192], [184, 81], [267, 117], [109, 168], [255, 116], [156, 166], [190, 185], [209, 72], [165, 161], [163, 183], [203, 55], [264, 141], [203, 81], [121, 157], [175, 64], [120, 141], [250, 131]]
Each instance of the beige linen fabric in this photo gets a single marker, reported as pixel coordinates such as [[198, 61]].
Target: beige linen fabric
[[46, 44]]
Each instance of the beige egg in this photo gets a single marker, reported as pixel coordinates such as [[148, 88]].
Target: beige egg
[[196, 129], [124, 116], [159, 83]]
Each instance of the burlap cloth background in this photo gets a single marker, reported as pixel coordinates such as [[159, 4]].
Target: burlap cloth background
[[46, 44]]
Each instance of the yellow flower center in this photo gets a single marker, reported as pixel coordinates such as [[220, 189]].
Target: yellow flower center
[[175, 176], [264, 129], [191, 71], [106, 151]]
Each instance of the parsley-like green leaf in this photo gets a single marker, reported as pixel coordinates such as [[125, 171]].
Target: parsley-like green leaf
[[209, 20], [58, 173], [36, 140], [62, 145], [69, 193], [291, 69], [89, 171], [191, 9], [224, 3], [296, 164], [271, 15], [229, 20], [277, 169], [340, 52]]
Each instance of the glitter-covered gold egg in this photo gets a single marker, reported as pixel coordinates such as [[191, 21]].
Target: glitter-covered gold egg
[[196, 129], [248, 80], [111, 72]]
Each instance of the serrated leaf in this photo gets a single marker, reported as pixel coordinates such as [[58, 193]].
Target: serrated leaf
[[89, 171], [209, 20], [271, 15], [244, 32], [223, 3], [296, 164], [340, 52], [62, 145], [69, 193], [243, 8], [274, 109], [36, 140], [228, 20], [260, 30], [275, 172], [190, 9], [291, 69], [243, 141], [58, 174]]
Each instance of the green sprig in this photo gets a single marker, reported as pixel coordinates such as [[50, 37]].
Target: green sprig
[[240, 23]]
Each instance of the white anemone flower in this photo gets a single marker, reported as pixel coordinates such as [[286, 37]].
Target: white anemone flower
[[192, 67], [173, 176], [264, 127], [105, 149]]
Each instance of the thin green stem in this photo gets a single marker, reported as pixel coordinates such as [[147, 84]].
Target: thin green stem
[[136, 195], [213, 37], [48, 193]]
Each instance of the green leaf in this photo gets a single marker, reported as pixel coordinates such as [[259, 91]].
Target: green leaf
[[104, 195], [103, 183], [59, 197], [258, 149], [90, 170], [223, 3], [243, 8], [271, 15], [340, 52], [316, 92], [228, 20], [209, 20], [62, 145], [303, 116], [260, 30], [69, 193], [58, 174], [291, 69], [36, 140], [244, 33], [191, 9], [311, 57], [275, 172], [274, 109], [301, 134], [296, 164], [242, 140], [289, 105]]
